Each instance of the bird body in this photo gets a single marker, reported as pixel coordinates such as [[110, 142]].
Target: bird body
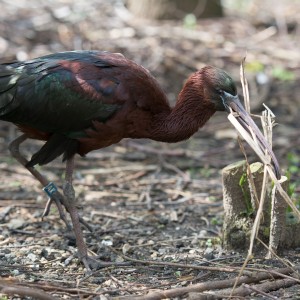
[[80, 101]]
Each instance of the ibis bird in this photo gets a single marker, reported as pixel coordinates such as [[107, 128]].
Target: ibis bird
[[79, 101]]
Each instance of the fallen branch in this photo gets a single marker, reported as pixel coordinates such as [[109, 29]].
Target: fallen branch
[[12, 290], [262, 288], [219, 284]]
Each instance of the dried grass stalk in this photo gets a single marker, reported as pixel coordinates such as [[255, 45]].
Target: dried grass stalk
[[268, 123]]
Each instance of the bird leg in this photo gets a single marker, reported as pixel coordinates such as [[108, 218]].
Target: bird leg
[[69, 193], [70, 206], [62, 200], [69, 203], [55, 196]]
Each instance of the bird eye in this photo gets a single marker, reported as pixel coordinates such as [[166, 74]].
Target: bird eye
[[226, 89], [231, 90], [219, 91]]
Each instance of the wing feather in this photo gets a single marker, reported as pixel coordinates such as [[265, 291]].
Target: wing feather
[[59, 96], [56, 93]]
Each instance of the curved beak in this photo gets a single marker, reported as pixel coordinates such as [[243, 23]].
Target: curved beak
[[232, 103]]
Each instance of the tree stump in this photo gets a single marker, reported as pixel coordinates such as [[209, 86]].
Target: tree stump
[[278, 228], [237, 226], [240, 210]]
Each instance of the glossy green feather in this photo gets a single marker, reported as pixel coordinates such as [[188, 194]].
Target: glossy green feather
[[46, 95], [40, 94]]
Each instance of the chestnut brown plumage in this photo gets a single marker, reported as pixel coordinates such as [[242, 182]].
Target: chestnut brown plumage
[[80, 101]]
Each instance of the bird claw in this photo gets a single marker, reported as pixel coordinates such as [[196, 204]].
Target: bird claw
[[93, 263]]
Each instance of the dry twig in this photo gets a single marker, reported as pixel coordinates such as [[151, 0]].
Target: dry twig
[[9, 289], [218, 284]]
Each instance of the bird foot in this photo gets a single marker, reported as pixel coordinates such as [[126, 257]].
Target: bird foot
[[93, 263]]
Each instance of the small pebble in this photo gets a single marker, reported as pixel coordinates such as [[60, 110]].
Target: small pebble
[[32, 257], [15, 272]]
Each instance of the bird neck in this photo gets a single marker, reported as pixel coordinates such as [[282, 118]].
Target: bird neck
[[189, 114]]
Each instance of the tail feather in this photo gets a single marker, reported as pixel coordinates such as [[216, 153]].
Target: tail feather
[[57, 145]]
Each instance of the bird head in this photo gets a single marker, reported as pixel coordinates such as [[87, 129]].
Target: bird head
[[216, 83], [221, 90]]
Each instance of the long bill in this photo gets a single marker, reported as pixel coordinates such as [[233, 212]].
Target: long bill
[[233, 103]]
